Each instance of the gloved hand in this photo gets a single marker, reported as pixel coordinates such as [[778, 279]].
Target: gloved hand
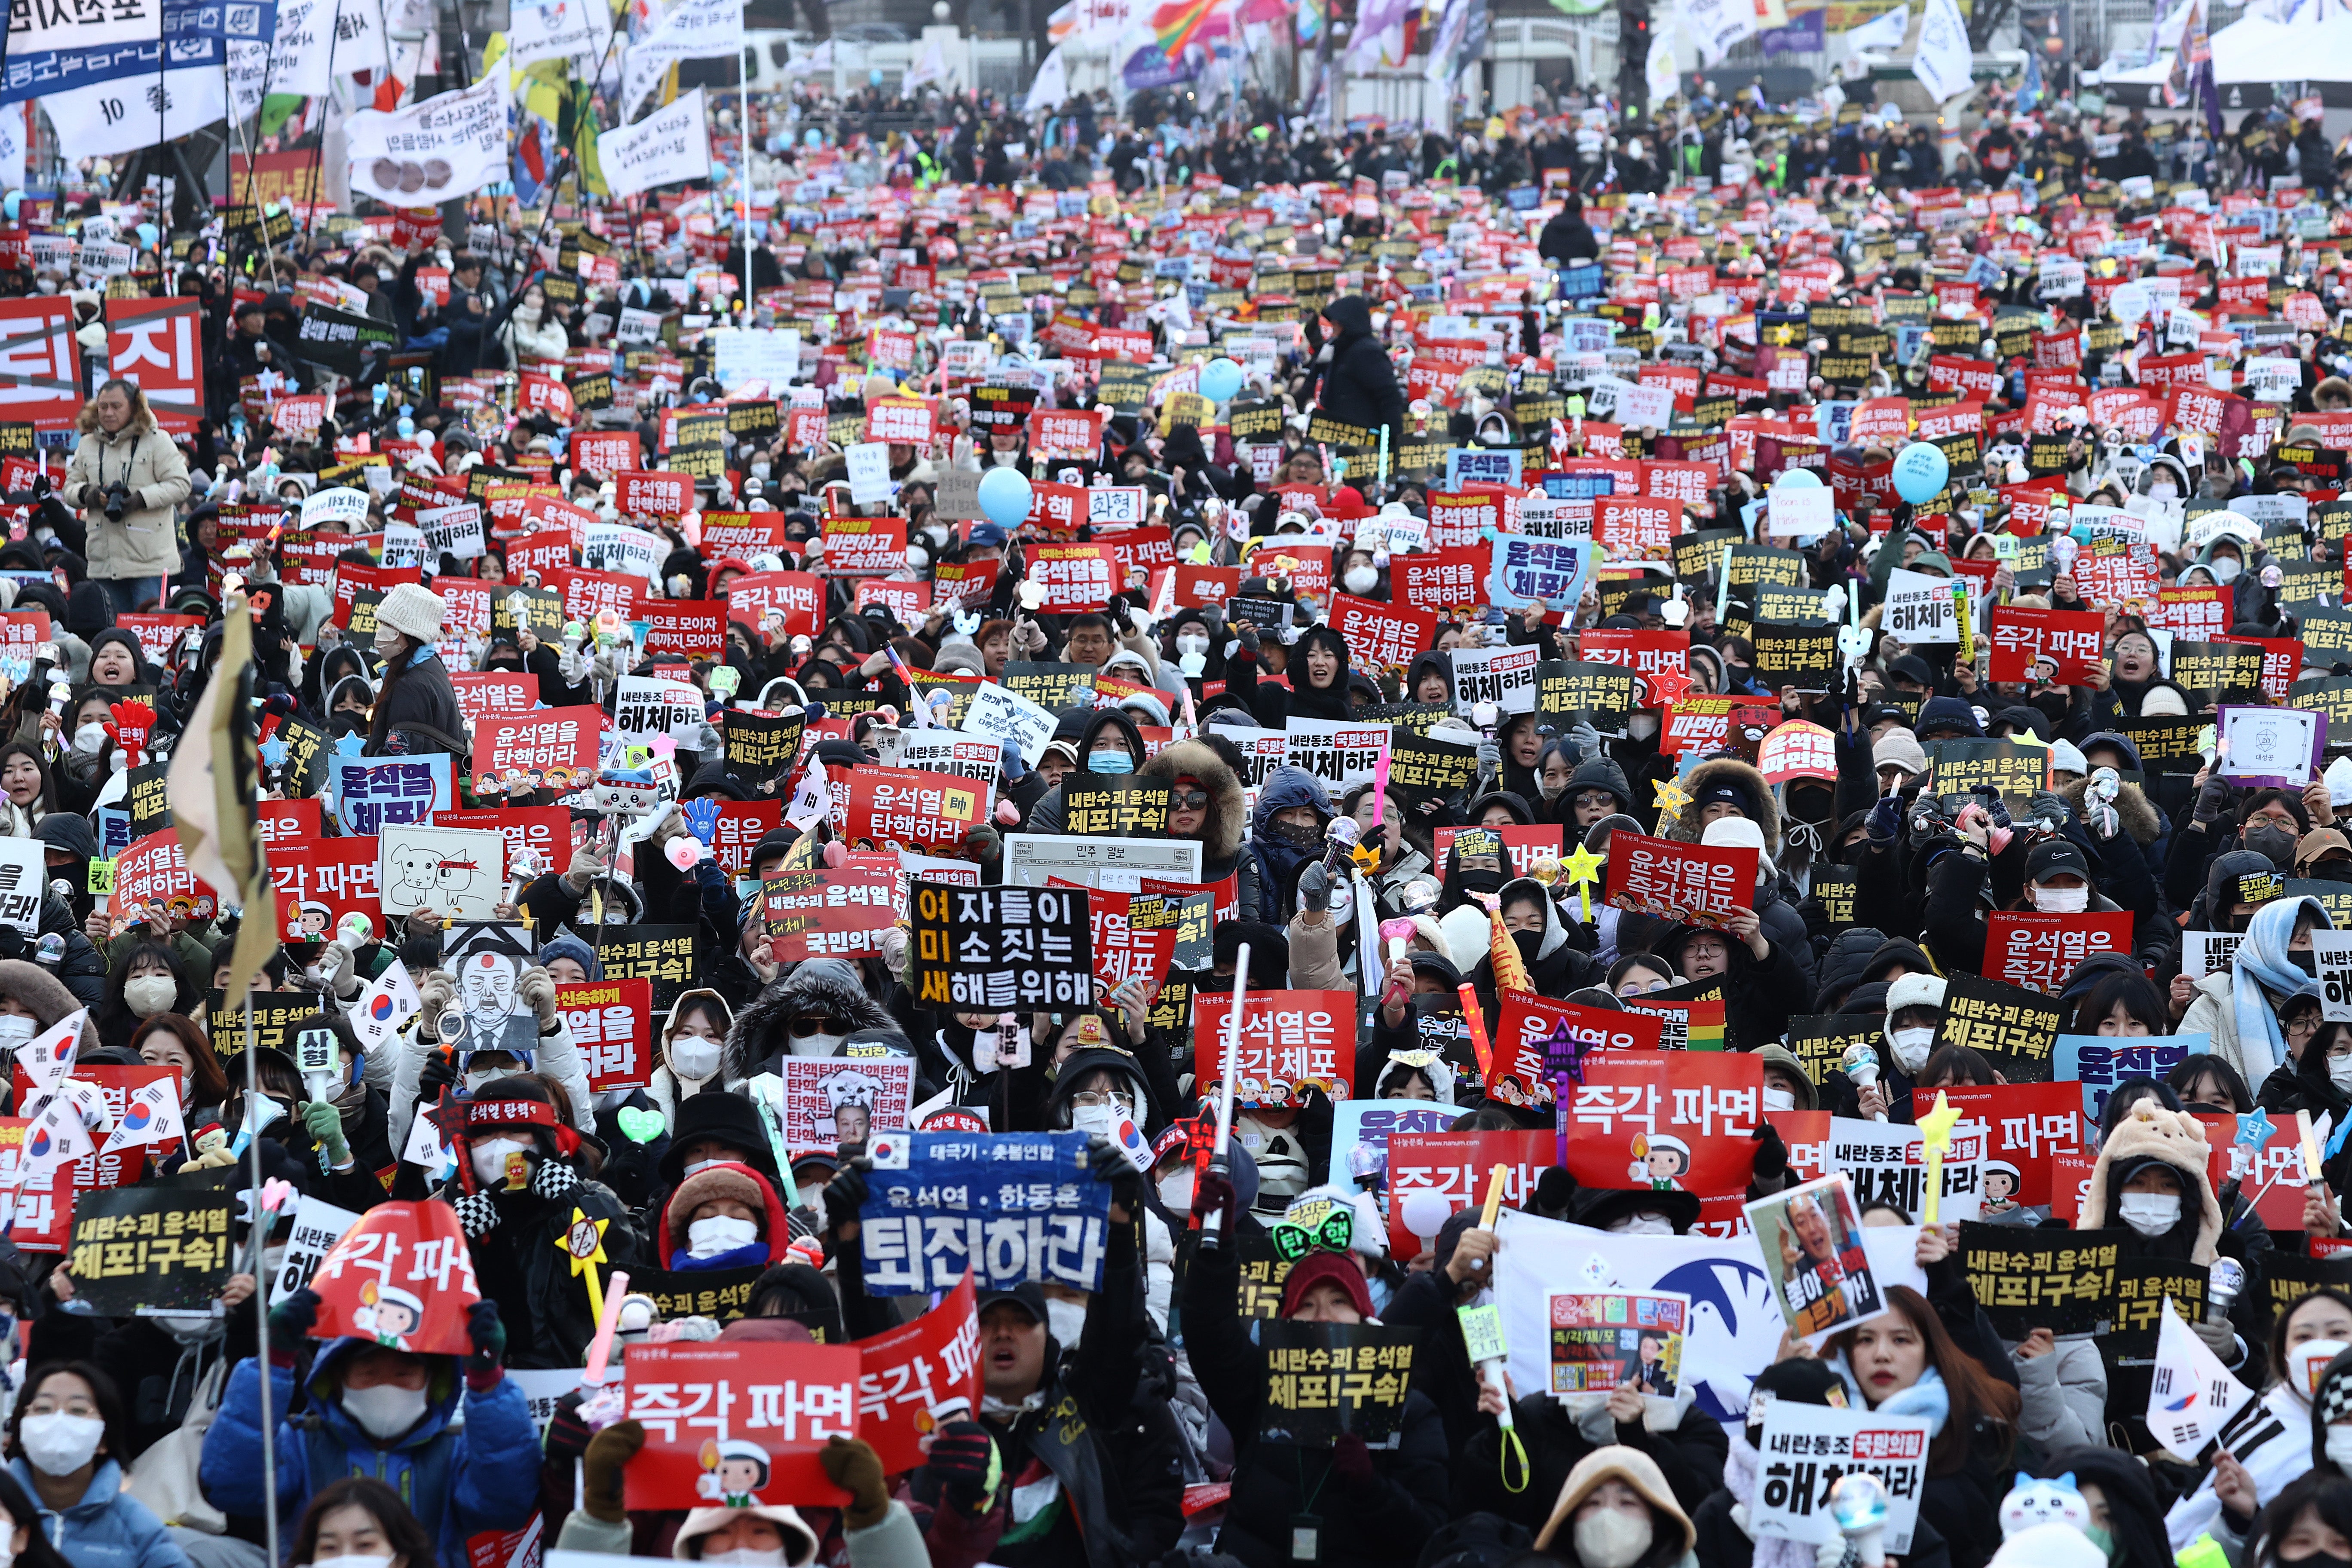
[[585, 868], [553, 1179], [852, 1464], [2049, 803], [334, 965], [478, 1213], [488, 1337], [1109, 1163], [291, 1321], [893, 944], [435, 991], [2220, 1338], [325, 1125], [2213, 800], [609, 1453], [1490, 757], [1014, 766], [1214, 1194], [1771, 1162], [439, 1072], [985, 842], [844, 1195], [1315, 887], [537, 989], [1352, 1463], [1586, 738], [1886, 819], [965, 1463]]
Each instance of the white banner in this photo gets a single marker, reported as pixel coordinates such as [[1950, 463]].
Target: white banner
[[1942, 61], [452, 144], [1716, 24], [689, 30], [136, 112], [668, 145], [559, 30]]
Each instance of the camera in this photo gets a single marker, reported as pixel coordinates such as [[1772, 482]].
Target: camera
[[114, 500]]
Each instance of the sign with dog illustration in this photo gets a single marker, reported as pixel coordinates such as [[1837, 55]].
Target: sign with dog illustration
[[459, 872]]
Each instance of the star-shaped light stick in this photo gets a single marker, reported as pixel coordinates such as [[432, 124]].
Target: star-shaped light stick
[[2253, 1136], [1671, 799], [1583, 868], [1935, 1140], [583, 1242]]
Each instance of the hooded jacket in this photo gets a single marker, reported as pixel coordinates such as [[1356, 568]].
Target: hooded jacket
[[459, 1480], [1279, 864], [762, 1031], [775, 1229], [1599, 772], [1227, 825], [1845, 965], [1556, 967], [1721, 773], [1358, 386], [1274, 705], [665, 1088], [1046, 815]]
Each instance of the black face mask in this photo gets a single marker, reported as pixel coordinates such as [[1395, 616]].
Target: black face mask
[[2306, 961], [1528, 942], [2330, 871], [1295, 835]]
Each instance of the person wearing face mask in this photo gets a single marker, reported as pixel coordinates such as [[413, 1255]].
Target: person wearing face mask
[[1914, 1006], [1556, 962], [517, 1188], [360, 1522], [148, 982], [67, 1441], [692, 1050], [416, 708], [726, 1215], [808, 1011], [2238, 1007], [2308, 1526], [2271, 1443], [1110, 745], [1616, 1510], [381, 1413]]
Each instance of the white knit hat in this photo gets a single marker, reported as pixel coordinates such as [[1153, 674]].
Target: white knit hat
[[413, 609], [1737, 833], [1911, 991]]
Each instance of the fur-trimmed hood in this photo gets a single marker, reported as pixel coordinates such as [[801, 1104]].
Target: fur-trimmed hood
[[2177, 1139], [1228, 826], [762, 1030], [2133, 809], [1708, 775]]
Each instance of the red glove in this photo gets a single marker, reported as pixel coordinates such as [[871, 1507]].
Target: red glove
[[1215, 1196]]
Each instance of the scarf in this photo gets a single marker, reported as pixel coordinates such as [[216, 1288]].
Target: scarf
[[2261, 969], [1927, 1397], [1739, 1468]]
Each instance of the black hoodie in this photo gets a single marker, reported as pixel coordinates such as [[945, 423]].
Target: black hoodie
[[1358, 385]]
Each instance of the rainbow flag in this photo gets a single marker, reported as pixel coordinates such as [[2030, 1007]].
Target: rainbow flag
[[1179, 22]]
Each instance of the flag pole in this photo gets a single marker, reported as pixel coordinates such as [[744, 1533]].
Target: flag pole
[[261, 1219]]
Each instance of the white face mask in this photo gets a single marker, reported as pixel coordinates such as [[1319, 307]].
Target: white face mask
[[2061, 901], [744, 1557], [816, 1045], [2225, 569], [1361, 579], [1176, 1191], [475, 1081], [1911, 1047], [59, 1444], [693, 1058], [90, 739], [2339, 1073], [1642, 726], [721, 1233], [700, 1166], [1092, 1118], [490, 1159], [1611, 1538], [385, 1411], [2150, 1213], [1780, 1099], [351, 1560], [2339, 1448], [1641, 1225], [1066, 1320], [15, 1031], [2164, 491], [149, 994], [2306, 1361]]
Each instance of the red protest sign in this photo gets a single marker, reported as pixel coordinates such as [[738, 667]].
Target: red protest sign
[[1444, 581], [2041, 952], [588, 593], [545, 831], [693, 628], [2059, 648], [547, 748], [865, 546], [484, 694], [737, 829], [1687, 882], [653, 492], [1206, 587], [1456, 1166], [963, 582], [1525, 1026], [1289, 1040], [2273, 1182], [797, 597], [909, 602], [612, 1024], [1645, 653], [1072, 432], [157, 634], [534, 556], [832, 914], [402, 1277], [154, 874], [886, 807], [907, 422], [2028, 1123], [1679, 1119], [604, 451], [1632, 527], [287, 822], [320, 881], [38, 1213], [737, 1425], [1122, 951], [743, 533], [916, 1377], [1378, 635]]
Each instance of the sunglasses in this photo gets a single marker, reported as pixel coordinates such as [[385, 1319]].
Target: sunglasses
[[1293, 1242], [1189, 799]]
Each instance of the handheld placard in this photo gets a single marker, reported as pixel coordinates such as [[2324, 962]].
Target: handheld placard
[[1478, 1022], [1220, 1164]]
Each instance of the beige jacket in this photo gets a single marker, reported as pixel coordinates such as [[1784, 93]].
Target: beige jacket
[[145, 544]]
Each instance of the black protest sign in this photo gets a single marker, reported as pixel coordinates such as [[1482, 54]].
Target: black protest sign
[[990, 950], [1196, 917], [1797, 606], [2335, 897], [277, 1017], [1421, 768], [339, 340], [543, 609], [1168, 1022], [1264, 1271], [150, 1249], [762, 745], [2015, 769], [591, 392], [1803, 656], [1103, 806], [2331, 695], [307, 754], [664, 954], [750, 420], [721, 1293], [2025, 1280], [1050, 686], [1833, 886], [2326, 637], [1325, 1380], [2287, 1279], [1601, 695], [2305, 583], [1254, 420], [1405, 718], [2135, 1312], [146, 794], [1820, 1040], [2220, 672], [2015, 1028], [2168, 745], [1697, 556]]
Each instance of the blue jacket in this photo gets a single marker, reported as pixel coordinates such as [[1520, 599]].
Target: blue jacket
[[483, 1476], [108, 1529], [1278, 865]]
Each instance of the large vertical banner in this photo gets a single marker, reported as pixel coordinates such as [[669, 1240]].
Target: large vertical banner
[[159, 344], [39, 379]]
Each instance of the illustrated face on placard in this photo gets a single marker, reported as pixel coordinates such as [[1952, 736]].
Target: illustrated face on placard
[[733, 1472], [414, 872], [487, 981], [389, 1313]]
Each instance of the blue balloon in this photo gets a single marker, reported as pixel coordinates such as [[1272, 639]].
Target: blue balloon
[[9, 205], [1219, 379], [1798, 479], [1920, 471], [147, 236], [874, 76], [1005, 497]]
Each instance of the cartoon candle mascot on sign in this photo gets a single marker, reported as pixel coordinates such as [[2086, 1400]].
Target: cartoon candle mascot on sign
[[733, 1471], [1660, 1162], [389, 1313]]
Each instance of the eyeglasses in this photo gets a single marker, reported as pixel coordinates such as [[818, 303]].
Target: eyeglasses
[[1189, 799], [803, 1027], [1293, 1242], [2301, 1025], [1094, 1099]]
